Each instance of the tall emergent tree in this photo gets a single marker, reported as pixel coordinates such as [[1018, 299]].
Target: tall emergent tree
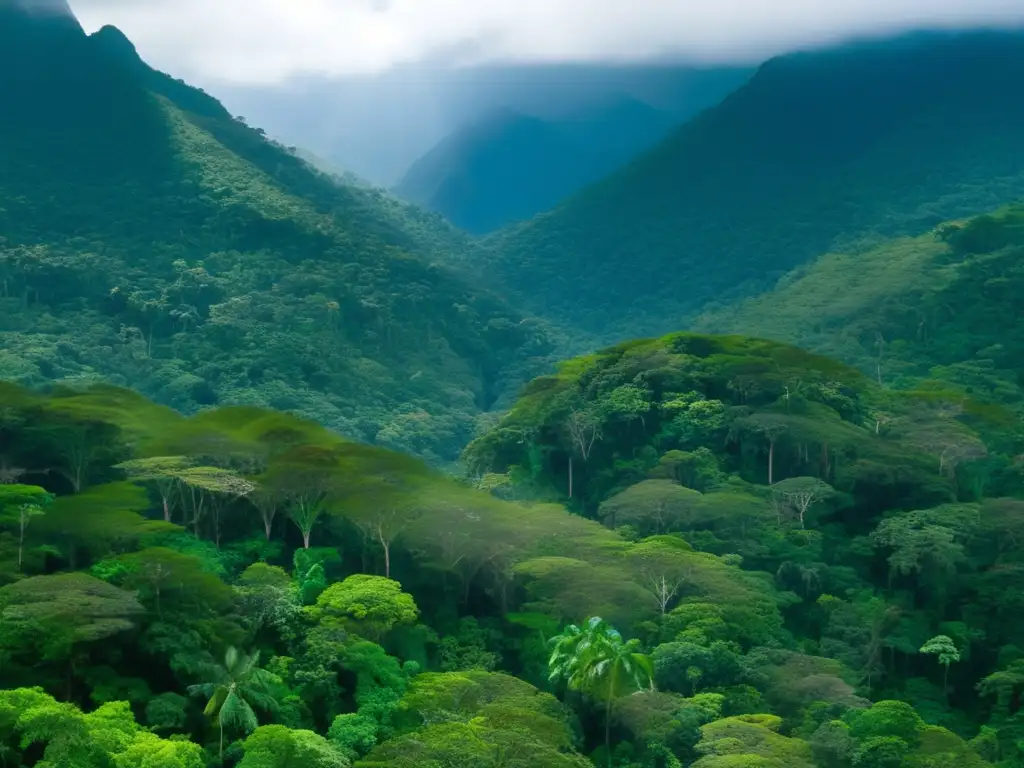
[[233, 689], [945, 649], [595, 660], [19, 504]]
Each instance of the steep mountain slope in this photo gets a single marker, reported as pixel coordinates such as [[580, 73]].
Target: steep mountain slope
[[379, 125], [502, 168], [508, 166], [945, 305], [817, 150], [618, 129], [152, 240]]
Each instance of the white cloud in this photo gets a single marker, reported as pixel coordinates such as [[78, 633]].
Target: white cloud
[[268, 41]]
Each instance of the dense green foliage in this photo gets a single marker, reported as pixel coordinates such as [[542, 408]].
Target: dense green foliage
[[253, 582], [173, 249], [817, 151], [944, 305], [885, 519], [700, 551]]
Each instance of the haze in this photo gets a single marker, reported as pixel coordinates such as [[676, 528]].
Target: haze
[[269, 41]]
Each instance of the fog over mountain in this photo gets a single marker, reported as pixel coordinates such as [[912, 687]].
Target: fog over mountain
[[379, 125], [373, 85]]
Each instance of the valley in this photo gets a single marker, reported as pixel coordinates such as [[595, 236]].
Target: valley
[[716, 463]]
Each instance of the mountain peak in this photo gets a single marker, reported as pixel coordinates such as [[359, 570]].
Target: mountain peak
[[116, 44], [40, 10], [23, 21], [39, 7]]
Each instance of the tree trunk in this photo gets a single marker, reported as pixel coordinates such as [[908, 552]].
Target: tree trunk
[[608, 730], [570, 475], [21, 541], [267, 525], [305, 538], [167, 509], [771, 460], [387, 559]]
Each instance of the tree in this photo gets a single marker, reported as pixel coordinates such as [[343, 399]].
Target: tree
[[652, 507], [584, 427], [99, 520], [268, 597], [354, 734], [750, 740], [770, 427], [370, 606], [305, 478], [165, 575], [162, 472], [275, 746], [471, 745], [148, 750], [107, 737], [594, 659], [946, 651], [22, 503], [927, 542], [232, 689], [383, 495], [80, 439], [50, 615], [212, 488], [801, 494], [663, 566], [267, 500]]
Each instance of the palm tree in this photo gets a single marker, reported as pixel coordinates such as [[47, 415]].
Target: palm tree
[[595, 660], [232, 691]]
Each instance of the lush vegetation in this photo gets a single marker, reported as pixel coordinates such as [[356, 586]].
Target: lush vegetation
[[242, 586], [883, 523], [816, 152], [699, 551], [943, 305], [173, 249]]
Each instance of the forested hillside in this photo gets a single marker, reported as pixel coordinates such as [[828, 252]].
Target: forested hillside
[[943, 305], [816, 152], [691, 551], [806, 570], [508, 166], [248, 562], [149, 239], [884, 520]]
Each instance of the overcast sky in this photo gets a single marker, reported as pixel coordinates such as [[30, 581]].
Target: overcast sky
[[268, 41]]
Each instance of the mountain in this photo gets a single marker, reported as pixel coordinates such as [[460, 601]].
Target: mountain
[[617, 128], [379, 125], [149, 239], [942, 305], [509, 166], [817, 151], [323, 165]]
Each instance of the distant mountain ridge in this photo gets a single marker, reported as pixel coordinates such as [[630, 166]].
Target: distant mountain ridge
[[508, 165], [378, 126], [816, 151], [150, 239]]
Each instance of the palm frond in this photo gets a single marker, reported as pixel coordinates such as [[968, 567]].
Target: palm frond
[[236, 712]]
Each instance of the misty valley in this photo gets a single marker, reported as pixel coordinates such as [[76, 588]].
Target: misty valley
[[628, 415]]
